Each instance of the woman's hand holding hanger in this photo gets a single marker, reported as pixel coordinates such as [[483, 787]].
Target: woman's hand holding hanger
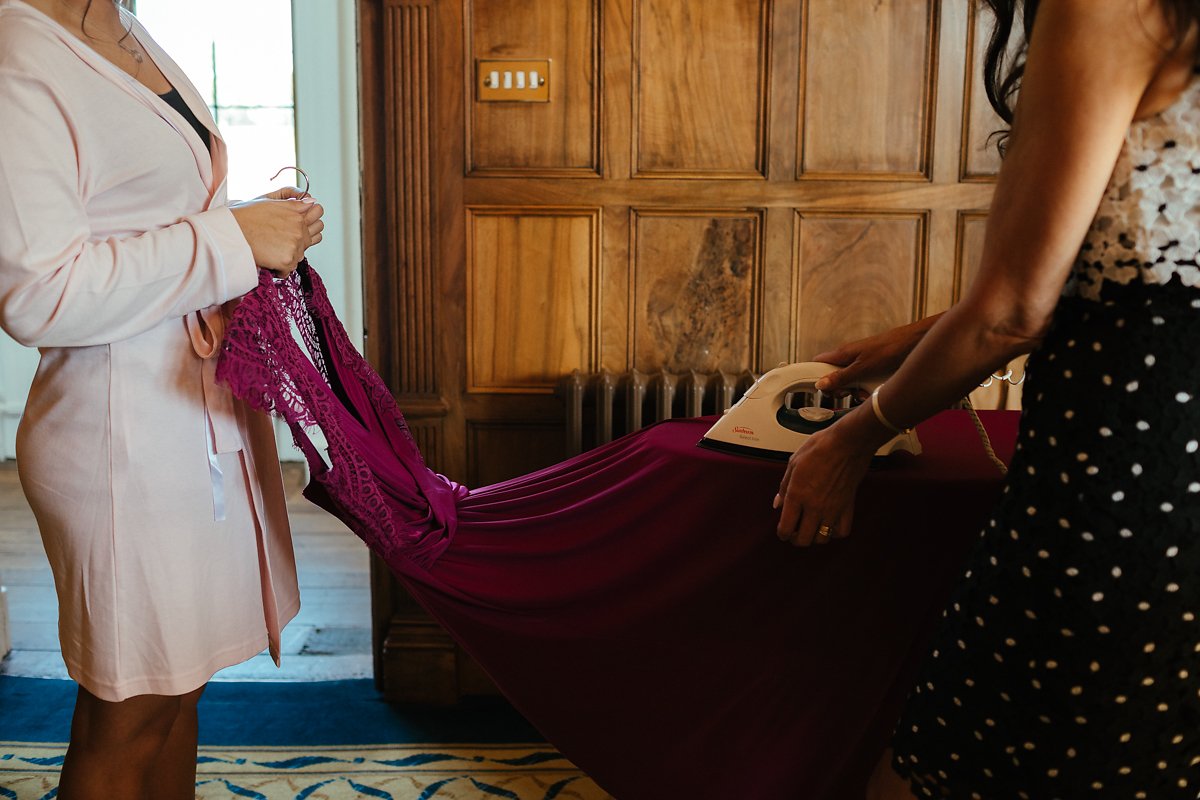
[[279, 227]]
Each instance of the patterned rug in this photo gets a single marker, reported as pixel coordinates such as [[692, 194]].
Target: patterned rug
[[397, 772], [336, 740]]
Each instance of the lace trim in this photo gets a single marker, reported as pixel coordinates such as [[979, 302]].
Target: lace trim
[[1147, 227], [263, 364]]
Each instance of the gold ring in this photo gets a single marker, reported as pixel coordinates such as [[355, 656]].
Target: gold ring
[[824, 530]]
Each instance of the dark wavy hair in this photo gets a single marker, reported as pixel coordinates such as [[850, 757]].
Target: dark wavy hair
[[1003, 67]]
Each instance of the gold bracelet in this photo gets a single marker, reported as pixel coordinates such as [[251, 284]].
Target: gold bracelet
[[879, 414]]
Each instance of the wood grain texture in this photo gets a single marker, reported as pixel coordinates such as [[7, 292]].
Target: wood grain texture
[[616, 296], [868, 71], [409, 247], [700, 93], [559, 137], [971, 228], [980, 159], [848, 195], [696, 284], [858, 275], [947, 146], [972, 224], [770, 177], [528, 446], [377, 241], [408, 46], [531, 296]]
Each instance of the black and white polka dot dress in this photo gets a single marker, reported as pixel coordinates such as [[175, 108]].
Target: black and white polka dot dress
[[1068, 665]]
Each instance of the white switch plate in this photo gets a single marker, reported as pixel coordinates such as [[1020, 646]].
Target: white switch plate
[[511, 80]]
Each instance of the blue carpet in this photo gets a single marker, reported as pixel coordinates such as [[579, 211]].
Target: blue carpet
[[334, 740], [279, 715]]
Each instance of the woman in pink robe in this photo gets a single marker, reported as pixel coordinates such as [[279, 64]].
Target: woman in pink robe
[[158, 495]]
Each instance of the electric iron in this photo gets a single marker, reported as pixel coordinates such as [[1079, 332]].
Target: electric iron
[[762, 424]]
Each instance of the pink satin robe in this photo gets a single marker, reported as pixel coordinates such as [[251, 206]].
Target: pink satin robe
[[158, 496]]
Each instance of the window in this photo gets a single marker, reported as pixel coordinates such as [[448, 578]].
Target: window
[[244, 72], [239, 56]]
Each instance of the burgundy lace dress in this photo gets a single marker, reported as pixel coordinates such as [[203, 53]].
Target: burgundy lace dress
[[633, 602]]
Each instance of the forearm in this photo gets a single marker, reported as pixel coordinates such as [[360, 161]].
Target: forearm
[[88, 293], [60, 284], [954, 356], [1077, 100], [1074, 113], [874, 359]]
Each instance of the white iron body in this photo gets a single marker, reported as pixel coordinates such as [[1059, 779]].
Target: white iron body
[[761, 425]]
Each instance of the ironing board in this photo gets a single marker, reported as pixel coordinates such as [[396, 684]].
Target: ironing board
[[633, 602]]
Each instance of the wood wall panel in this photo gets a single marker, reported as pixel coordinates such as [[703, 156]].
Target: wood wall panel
[[615, 277], [700, 91], [858, 275], [428, 437], [400, 81], [414, 362], [559, 137], [696, 284], [971, 227], [997, 393], [504, 449], [859, 49], [721, 183], [531, 296], [980, 159]]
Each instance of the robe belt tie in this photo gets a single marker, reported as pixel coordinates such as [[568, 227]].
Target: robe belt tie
[[206, 329]]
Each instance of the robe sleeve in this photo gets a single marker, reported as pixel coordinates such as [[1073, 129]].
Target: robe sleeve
[[59, 287]]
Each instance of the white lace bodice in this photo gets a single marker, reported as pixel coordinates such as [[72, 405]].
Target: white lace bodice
[[1147, 227]]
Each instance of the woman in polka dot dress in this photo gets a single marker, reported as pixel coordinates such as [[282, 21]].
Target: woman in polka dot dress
[[1068, 664]]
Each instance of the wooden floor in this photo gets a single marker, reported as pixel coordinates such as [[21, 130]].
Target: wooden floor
[[329, 640]]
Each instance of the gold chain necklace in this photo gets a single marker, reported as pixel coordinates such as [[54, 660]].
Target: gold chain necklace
[[133, 52]]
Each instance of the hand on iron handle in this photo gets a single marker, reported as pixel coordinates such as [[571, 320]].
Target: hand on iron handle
[[822, 477], [873, 359]]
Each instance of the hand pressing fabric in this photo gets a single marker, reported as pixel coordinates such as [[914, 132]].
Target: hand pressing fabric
[[822, 477]]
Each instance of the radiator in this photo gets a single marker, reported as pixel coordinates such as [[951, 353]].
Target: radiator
[[604, 405]]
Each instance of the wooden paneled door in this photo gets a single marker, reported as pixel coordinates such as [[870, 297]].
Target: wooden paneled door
[[713, 184]]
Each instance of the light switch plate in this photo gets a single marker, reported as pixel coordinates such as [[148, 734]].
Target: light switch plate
[[511, 80]]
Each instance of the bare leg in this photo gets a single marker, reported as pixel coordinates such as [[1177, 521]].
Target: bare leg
[[114, 745], [885, 784], [173, 776]]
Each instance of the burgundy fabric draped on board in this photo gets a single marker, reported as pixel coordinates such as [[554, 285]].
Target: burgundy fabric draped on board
[[633, 602]]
